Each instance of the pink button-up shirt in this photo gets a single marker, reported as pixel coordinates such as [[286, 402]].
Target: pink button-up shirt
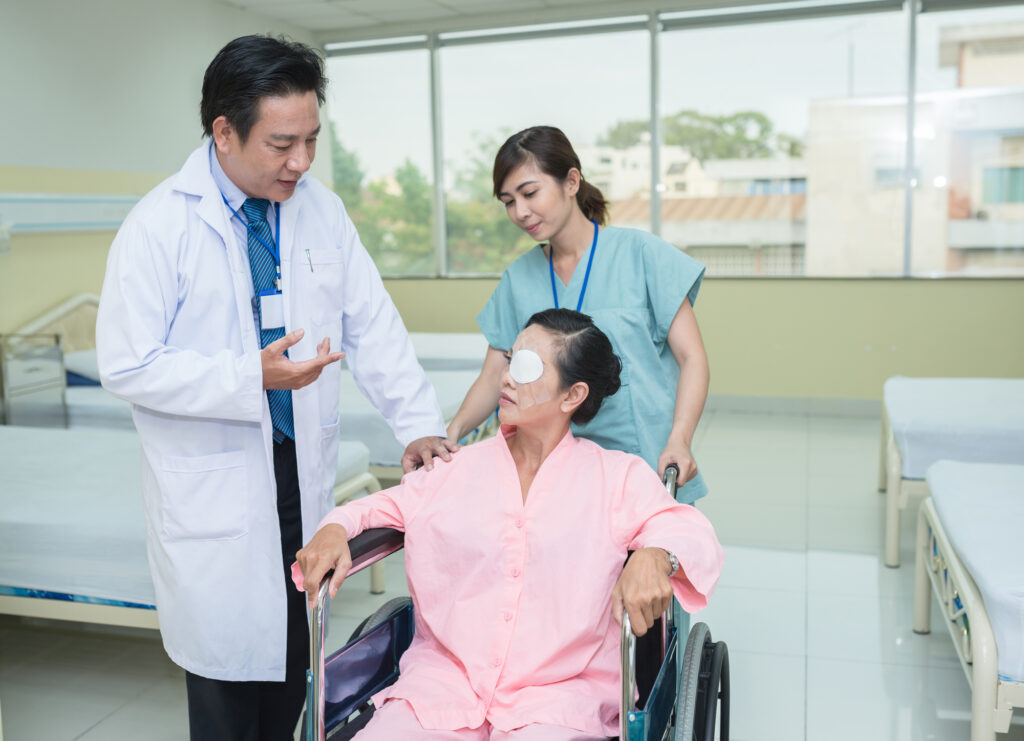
[[512, 598]]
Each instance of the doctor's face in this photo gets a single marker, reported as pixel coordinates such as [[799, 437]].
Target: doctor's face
[[280, 147]]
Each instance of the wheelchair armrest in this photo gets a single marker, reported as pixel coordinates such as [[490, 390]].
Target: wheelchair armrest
[[371, 546]]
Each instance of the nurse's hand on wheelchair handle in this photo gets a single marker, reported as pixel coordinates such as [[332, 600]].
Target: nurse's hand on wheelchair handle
[[677, 451], [643, 589], [280, 372], [327, 550]]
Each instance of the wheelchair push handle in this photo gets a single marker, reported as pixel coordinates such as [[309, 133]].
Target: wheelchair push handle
[[671, 479]]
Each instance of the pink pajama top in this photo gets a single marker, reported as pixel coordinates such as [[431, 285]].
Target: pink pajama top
[[512, 598]]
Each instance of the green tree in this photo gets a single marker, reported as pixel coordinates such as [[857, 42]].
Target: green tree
[[345, 170], [481, 239], [741, 135]]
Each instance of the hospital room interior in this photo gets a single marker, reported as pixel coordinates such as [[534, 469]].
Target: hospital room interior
[[848, 173]]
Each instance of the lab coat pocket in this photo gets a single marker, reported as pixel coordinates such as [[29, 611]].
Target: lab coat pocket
[[321, 280], [204, 497]]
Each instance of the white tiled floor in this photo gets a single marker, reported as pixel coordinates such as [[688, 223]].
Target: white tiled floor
[[819, 632]]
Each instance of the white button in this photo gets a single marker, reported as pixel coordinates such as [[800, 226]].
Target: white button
[[515, 572], [519, 523]]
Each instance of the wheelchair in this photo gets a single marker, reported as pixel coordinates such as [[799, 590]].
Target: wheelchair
[[661, 698]]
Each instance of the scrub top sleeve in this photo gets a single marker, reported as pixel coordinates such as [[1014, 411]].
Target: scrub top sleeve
[[497, 320], [671, 276]]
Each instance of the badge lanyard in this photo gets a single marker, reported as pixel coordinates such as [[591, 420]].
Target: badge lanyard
[[273, 249], [586, 277]]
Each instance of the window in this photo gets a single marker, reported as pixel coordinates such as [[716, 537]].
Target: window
[[379, 118], [969, 201], [782, 123], [1003, 185], [492, 90]]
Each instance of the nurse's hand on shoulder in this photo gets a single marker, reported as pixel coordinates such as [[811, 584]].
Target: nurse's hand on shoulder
[[421, 452], [643, 590], [279, 372], [678, 452], [327, 550]]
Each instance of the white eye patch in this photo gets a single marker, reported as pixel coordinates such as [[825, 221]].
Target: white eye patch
[[526, 366]]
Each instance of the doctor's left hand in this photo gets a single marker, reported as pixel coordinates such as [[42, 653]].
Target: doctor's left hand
[[327, 550], [421, 452], [279, 372]]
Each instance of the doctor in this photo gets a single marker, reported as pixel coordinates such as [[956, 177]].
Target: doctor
[[230, 289]]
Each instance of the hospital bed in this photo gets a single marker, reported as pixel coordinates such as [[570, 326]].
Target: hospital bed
[[975, 420], [967, 555], [72, 529]]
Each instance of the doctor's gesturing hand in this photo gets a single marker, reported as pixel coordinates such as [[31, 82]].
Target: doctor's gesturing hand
[[279, 372]]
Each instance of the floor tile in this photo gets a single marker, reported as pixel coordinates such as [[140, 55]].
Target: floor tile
[[766, 697], [771, 621]]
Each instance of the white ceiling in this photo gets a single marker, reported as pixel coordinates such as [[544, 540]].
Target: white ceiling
[[347, 20]]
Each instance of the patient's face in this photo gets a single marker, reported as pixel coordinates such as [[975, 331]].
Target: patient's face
[[530, 384]]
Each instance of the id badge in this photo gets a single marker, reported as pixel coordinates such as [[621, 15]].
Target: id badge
[[271, 310]]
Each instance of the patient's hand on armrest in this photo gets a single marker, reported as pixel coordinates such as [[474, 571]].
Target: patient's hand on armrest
[[327, 550], [643, 589]]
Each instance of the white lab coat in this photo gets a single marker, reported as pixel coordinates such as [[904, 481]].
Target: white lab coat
[[175, 336]]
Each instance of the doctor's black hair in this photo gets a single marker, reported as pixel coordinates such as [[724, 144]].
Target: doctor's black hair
[[585, 354], [554, 155], [251, 68]]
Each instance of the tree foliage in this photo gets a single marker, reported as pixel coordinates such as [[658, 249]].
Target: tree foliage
[[741, 135], [394, 216]]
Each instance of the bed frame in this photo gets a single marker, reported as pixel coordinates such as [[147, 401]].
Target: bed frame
[[898, 490], [939, 570]]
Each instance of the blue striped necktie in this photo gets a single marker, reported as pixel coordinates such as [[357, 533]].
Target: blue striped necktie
[[264, 270]]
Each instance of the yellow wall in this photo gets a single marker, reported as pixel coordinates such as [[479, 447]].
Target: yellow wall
[[809, 338], [42, 270]]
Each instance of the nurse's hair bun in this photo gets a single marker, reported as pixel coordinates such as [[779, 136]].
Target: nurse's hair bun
[[585, 354]]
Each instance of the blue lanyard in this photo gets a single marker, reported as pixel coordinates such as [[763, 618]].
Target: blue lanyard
[[586, 276], [273, 249]]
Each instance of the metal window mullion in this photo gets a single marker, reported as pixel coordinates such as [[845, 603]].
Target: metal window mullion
[[908, 185], [440, 226], [654, 27]]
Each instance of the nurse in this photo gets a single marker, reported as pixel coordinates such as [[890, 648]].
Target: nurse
[[639, 289]]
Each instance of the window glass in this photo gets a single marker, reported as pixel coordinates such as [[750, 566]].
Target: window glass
[[379, 118], [784, 145], [969, 199], [583, 85]]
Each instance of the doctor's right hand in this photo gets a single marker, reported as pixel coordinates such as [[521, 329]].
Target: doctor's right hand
[[327, 550], [281, 373]]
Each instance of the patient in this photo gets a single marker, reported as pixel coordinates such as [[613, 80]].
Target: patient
[[513, 550]]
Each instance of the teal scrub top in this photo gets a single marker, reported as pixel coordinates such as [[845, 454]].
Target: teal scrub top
[[637, 284]]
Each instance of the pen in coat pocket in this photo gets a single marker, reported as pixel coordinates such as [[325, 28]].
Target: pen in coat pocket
[[310, 261]]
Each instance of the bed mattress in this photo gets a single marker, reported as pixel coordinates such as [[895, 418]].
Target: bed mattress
[[974, 420], [72, 515], [981, 506]]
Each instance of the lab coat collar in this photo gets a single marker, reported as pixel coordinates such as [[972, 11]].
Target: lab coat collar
[[196, 179]]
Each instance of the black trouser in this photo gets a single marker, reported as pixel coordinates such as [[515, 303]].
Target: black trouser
[[262, 711]]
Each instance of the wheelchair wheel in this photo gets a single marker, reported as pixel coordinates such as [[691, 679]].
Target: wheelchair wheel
[[380, 616], [703, 684]]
